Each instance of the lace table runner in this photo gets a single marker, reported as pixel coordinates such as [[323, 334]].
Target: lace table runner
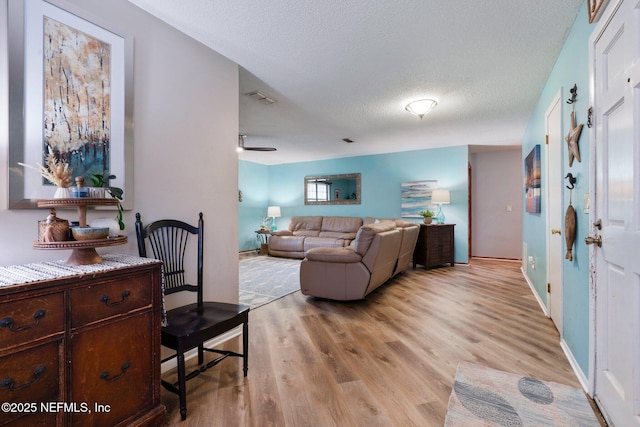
[[48, 270]]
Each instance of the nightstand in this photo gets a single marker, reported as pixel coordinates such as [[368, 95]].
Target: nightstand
[[435, 245]]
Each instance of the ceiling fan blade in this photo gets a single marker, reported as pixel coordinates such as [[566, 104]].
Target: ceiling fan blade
[[241, 138], [260, 148]]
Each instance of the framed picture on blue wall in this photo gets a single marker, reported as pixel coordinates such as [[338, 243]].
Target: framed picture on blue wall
[[416, 197], [532, 180]]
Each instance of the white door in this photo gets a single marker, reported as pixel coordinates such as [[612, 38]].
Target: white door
[[555, 215], [615, 49]]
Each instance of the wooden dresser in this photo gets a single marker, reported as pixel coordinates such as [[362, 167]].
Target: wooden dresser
[[80, 346], [434, 246]]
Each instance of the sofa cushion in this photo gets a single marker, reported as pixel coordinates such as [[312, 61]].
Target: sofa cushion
[[322, 242], [338, 235], [310, 233], [366, 233], [371, 220], [410, 231], [301, 224], [286, 254], [287, 243], [403, 223], [341, 224], [333, 255]]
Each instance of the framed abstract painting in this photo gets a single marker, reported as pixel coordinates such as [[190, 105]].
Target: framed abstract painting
[[416, 197], [71, 94]]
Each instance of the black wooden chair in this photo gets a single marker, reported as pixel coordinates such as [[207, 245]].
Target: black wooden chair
[[191, 325]]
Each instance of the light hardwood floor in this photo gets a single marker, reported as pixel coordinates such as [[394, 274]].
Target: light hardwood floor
[[387, 361]]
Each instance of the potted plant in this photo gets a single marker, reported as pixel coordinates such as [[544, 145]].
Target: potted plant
[[101, 180], [265, 224], [427, 215]]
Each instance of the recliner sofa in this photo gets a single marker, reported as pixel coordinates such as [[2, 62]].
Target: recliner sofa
[[307, 232], [380, 250]]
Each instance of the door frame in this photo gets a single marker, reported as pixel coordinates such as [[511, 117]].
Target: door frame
[[556, 102], [470, 211]]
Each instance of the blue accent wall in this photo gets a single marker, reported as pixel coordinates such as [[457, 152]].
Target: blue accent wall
[[572, 67], [381, 179]]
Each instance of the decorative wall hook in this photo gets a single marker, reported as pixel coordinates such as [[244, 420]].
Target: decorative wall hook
[[589, 117], [570, 219], [574, 94], [572, 181]]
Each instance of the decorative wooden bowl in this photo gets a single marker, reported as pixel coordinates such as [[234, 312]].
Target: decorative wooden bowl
[[90, 233]]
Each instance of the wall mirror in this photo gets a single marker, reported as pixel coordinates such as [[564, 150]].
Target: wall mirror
[[332, 189]]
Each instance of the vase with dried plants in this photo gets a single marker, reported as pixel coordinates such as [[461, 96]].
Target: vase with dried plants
[[56, 172]]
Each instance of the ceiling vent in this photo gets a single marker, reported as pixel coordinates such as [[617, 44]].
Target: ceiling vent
[[260, 97]]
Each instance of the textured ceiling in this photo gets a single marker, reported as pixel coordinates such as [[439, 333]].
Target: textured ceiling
[[346, 69]]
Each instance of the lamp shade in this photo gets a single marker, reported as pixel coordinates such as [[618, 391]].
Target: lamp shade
[[440, 196], [274, 211]]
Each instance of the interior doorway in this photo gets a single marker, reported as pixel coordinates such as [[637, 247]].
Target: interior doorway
[[495, 202]]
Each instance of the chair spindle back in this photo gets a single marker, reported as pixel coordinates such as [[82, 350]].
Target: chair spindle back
[[168, 240]]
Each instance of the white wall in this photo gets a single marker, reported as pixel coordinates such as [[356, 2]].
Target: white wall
[[497, 185], [185, 136]]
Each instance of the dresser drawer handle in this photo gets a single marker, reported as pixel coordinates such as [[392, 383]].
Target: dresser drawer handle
[[8, 322], [105, 375], [10, 383], [105, 298]]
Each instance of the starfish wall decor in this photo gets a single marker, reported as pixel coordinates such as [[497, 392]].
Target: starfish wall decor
[[572, 139]]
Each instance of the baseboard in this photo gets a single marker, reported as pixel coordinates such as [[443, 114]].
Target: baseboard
[[250, 252], [584, 382], [535, 294], [170, 364], [496, 259]]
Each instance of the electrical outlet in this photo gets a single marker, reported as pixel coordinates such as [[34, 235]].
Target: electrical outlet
[[532, 262]]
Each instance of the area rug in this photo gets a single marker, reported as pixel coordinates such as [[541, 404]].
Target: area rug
[[487, 397], [264, 279]]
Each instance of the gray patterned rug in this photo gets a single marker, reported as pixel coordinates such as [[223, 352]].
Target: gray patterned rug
[[264, 279], [486, 397]]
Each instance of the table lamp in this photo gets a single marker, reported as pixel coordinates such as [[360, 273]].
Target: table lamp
[[440, 197], [273, 212]]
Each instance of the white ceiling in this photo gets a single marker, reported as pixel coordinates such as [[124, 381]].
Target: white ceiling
[[346, 69]]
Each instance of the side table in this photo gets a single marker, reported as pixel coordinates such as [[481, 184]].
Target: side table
[[263, 238], [434, 246]]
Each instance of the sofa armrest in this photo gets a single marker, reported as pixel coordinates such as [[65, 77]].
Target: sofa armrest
[[281, 233], [336, 255]]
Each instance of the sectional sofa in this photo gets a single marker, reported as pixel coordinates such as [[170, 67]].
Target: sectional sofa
[[346, 258], [379, 252], [308, 232]]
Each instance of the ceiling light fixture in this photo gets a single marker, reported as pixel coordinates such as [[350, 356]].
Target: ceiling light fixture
[[421, 107]]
